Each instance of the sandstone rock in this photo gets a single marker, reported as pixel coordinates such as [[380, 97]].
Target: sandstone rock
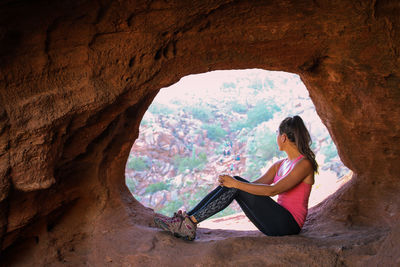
[[76, 78]]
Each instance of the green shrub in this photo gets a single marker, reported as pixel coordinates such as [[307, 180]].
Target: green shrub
[[329, 151], [214, 132], [262, 111], [228, 85], [238, 125], [239, 108], [152, 188], [190, 163], [202, 113], [269, 83], [256, 84], [138, 164]]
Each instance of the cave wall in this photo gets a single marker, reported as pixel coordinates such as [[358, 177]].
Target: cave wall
[[77, 76]]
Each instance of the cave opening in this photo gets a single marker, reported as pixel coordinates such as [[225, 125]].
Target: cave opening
[[222, 122]]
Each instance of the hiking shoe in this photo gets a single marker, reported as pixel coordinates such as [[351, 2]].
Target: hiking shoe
[[179, 225], [158, 218]]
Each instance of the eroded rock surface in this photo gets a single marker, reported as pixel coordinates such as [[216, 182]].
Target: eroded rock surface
[[77, 76]]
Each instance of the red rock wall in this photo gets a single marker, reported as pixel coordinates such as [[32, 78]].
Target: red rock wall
[[77, 76]]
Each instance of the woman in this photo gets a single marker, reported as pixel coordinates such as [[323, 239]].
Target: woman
[[290, 178]]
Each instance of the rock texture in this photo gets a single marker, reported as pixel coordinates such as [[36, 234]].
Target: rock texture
[[77, 76]]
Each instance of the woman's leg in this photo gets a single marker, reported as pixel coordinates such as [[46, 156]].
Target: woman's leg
[[204, 200], [267, 215], [214, 202]]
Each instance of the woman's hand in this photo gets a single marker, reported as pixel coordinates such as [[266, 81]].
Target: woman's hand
[[226, 180]]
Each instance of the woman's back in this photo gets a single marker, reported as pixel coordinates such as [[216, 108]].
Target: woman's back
[[294, 200]]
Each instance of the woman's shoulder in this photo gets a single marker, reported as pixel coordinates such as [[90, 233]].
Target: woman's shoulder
[[306, 165], [304, 162]]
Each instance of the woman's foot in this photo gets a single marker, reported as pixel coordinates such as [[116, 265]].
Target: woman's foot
[[179, 225]]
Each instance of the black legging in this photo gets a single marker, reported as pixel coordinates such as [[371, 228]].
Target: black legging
[[267, 215]]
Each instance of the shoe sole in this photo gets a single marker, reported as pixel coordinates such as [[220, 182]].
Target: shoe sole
[[160, 224], [187, 238]]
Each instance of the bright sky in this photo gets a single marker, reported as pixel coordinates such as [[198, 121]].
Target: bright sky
[[196, 86]]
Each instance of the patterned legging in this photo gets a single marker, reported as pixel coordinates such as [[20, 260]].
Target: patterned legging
[[267, 215]]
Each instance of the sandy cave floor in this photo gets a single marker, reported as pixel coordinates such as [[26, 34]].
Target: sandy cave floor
[[231, 239]]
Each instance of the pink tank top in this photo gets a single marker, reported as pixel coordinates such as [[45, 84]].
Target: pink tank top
[[295, 200]]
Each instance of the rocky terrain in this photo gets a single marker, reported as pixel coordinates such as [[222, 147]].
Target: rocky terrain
[[175, 160]]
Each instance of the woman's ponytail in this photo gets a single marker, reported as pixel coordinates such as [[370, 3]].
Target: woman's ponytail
[[297, 133]]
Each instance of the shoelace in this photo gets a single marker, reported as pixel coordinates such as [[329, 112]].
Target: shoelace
[[179, 216], [176, 213]]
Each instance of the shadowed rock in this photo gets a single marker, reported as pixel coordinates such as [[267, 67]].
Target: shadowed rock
[[76, 78]]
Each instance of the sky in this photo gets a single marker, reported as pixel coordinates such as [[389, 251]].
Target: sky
[[208, 84]]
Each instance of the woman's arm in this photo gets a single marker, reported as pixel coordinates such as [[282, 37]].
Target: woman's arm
[[299, 172], [268, 177]]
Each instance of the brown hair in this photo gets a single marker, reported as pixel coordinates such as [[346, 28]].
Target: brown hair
[[297, 132]]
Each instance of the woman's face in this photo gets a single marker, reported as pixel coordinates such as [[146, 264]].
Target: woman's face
[[279, 140]]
